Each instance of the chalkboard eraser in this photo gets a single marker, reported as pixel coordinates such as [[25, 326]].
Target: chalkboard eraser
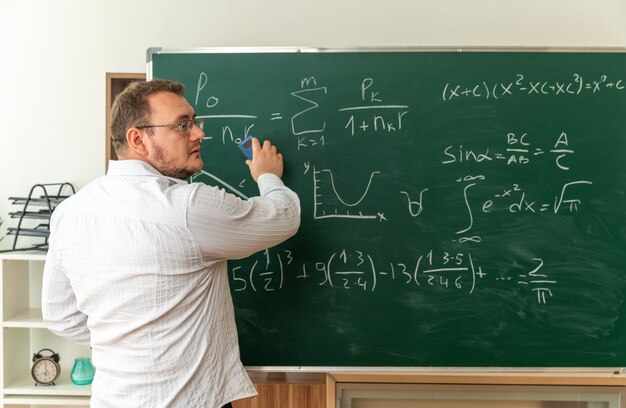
[[245, 147]]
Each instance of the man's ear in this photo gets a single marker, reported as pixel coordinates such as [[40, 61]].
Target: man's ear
[[134, 138]]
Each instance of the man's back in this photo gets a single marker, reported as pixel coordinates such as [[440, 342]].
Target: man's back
[[134, 247]]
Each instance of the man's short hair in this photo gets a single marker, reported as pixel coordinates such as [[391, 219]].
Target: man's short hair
[[131, 108]]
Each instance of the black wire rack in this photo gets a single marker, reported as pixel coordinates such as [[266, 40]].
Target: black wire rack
[[34, 215]]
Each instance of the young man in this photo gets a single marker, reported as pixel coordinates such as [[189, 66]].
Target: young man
[[137, 262]]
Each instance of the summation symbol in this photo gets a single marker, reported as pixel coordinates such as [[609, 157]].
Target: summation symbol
[[328, 202], [311, 95]]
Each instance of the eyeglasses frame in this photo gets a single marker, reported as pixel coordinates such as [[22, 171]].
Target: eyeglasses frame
[[195, 122]]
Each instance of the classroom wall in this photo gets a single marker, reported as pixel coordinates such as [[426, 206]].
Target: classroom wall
[[54, 55]]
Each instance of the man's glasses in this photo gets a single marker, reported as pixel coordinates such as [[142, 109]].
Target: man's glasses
[[184, 127]]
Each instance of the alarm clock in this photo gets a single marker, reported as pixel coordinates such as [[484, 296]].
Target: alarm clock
[[45, 369]]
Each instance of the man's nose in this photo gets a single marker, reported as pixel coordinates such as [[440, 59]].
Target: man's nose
[[197, 133]]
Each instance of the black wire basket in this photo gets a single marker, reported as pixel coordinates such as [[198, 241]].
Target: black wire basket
[[33, 219]]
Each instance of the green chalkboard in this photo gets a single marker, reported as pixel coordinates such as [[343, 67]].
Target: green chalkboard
[[462, 209]]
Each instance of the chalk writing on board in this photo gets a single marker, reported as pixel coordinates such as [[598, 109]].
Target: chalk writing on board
[[540, 280], [372, 117], [203, 173], [513, 199], [308, 124], [377, 122], [415, 206], [518, 151], [265, 275], [301, 121], [358, 270], [335, 197], [328, 201], [307, 141], [575, 85]]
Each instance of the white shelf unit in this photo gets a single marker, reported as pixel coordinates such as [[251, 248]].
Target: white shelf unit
[[23, 334]]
